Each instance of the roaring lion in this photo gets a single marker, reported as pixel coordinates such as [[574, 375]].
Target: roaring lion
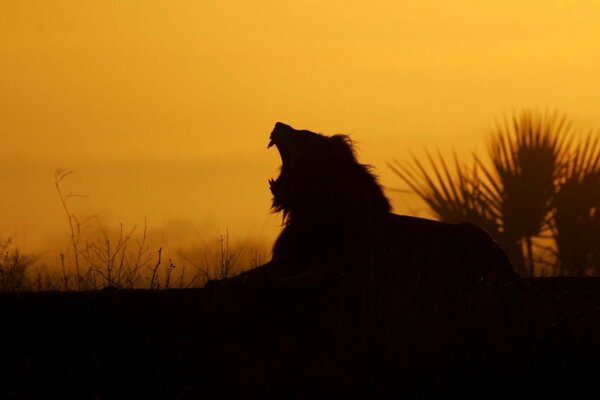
[[337, 223]]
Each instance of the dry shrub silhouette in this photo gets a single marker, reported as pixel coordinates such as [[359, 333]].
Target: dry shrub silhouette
[[540, 185], [337, 223], [101, 257], [14, 268], [223, 258]]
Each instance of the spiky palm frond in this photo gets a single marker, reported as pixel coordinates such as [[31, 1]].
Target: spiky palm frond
[[463, 194], [453, 196], [527, 154], [576, 211], [512, 197]]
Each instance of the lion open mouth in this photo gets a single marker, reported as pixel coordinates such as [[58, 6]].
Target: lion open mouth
[[280, 138], [274, 184]]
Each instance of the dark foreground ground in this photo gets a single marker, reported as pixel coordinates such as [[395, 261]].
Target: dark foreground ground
[[541, 338]]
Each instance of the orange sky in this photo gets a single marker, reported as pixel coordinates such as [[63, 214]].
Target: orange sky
[[163, 109]]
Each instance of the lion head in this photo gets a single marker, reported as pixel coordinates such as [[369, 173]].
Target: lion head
[[321, 178]]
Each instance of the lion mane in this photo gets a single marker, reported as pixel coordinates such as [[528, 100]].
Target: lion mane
[[337, 222]]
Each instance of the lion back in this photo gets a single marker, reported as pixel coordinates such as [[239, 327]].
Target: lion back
[[461, 257]]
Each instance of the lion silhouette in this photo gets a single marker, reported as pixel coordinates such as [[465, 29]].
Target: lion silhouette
[[337, 223]]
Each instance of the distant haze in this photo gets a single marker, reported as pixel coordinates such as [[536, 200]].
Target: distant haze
[[163, 109]]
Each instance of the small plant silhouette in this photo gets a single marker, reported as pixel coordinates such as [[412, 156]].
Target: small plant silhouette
[[539, 185], [13, 268]]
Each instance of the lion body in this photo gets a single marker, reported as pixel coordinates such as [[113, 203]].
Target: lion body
[[401, 249], [338, 224]]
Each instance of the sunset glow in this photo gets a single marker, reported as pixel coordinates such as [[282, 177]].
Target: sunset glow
[[163, 110]]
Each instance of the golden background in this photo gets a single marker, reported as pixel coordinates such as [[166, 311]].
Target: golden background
[[163, 109]]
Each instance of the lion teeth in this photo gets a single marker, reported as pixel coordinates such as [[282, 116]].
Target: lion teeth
[[271, 143]]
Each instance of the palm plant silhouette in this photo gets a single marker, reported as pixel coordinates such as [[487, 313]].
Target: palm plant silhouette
[[537, 183], [575, 221]]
